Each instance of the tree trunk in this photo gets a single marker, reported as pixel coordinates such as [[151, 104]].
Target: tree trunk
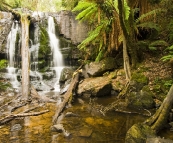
[[126, 60], [140, 132], [25, 56], [125, 40], [158, 120]]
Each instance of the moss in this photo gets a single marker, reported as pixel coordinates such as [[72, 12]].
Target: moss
[[138, 133], [17, 44], [3, 63], [44, 49], [139, 77], [4, 86]]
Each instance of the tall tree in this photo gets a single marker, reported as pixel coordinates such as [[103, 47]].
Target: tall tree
[[25, 56], [125, 38]]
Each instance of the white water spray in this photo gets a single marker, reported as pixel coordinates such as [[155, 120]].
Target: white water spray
[[54, 43]]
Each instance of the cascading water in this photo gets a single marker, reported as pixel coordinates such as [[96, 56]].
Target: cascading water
[[57, 62], [11, 44]]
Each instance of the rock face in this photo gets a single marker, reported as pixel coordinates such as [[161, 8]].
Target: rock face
[[70, 28], [5, 26]]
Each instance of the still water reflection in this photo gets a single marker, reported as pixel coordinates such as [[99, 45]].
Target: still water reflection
[[85, 127]]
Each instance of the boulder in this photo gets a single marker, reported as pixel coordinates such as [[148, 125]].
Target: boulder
[[95, 69], [66, 74], [98, 86], [140, 100]]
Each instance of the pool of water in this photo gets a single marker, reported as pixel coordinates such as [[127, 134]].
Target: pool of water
[[86, 125]]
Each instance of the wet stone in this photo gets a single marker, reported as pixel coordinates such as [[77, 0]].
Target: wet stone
[[16, 127], [85, 132], [71, 114]]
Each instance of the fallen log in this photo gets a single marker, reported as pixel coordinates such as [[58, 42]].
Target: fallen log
[[68, 95], [11, 117]]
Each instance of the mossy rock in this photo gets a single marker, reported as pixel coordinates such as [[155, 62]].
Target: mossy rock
[[139, 77], [138, 133], [140, 100]]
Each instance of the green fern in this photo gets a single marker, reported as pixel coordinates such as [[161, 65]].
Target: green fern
[[167, 58], [85, 14], [82, 5], [158, 43], [99, 56], [148, 14], [126, 9], [150, 25], [94, 35]]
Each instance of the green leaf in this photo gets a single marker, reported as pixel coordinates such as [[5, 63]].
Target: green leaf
[[159, 43]]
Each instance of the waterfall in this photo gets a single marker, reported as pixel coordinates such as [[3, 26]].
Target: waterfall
[[11, 41], [34, 50], [11, 44], [57, 62]]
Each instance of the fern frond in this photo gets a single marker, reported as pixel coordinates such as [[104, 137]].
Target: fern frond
[[169, 48], [99, 56], [148, 14], [95, 35], [82, 5], [152, 48], [150, 25], [159, 43], [92, 36], [87, 12], [126, 9], [167, 58]]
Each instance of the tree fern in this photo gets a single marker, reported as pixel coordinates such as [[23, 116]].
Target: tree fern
[[126, 9]]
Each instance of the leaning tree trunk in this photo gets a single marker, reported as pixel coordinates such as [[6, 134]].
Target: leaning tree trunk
[[25, 56], [139, 132], [158, 120]]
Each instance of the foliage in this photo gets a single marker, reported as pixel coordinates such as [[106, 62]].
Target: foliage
[[170, 55], [3, 64], [4, 85], [4, 6], [44, 49], [69, 4], [87, 9], [36, 5]]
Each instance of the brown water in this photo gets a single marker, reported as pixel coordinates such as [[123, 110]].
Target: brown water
[[87, 127]]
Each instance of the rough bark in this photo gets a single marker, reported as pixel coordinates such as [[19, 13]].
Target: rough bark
[[25, 56], [67, 96], [139, 132], [125, 40], [158, 120], [127, 35]]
